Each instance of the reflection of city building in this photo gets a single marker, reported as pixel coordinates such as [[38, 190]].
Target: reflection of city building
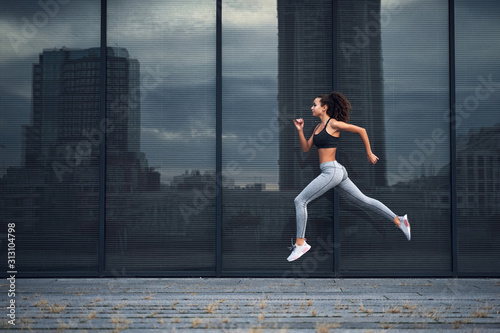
[[478, 178], [57, 185], [360, 79], [478, 184], [305, 70], [305, 65], [478, 172], [66, 128]]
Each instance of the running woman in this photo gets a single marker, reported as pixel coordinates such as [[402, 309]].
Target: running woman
[[333, 110]]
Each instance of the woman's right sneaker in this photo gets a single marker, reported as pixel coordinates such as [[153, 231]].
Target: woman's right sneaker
[[298, 251], [405, 226]]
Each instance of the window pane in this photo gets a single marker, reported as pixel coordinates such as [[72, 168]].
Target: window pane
[[393, 66], [478, 134], [160, 199], [273, 68], [48, 167]]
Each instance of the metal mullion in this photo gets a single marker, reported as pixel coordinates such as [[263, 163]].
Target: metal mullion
[[453, 145], [336, 227], [218, 131], [102, 146]]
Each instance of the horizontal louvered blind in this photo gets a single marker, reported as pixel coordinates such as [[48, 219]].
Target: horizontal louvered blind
[[477, 36], [49, 169], [389, 58], [393, 66], [160, 154]]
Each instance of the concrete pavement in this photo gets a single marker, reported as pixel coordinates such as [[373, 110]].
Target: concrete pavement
[[254, 305]]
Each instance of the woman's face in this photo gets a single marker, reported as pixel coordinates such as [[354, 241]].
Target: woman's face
[[317, 109]]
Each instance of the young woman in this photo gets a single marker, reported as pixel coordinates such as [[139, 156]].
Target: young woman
[[333, 110]]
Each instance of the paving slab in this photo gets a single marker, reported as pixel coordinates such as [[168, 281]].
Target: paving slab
[[253, 305]]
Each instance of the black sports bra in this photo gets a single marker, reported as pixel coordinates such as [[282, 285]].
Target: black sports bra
[[325, 140]]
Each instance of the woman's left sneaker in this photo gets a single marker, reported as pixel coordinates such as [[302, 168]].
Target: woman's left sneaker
[[405, 226], [298, 251]]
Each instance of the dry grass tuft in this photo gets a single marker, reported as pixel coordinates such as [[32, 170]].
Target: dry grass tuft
[[56, 308], [41, 303], [120, 306], [153, 314], [361, 307], [326, 327], [365, 310], [386, 326], [339, 306], [211, 307], [433, 313], [255, 330], [92, 315], [120, 323], [459, 323], [195, 322], [263, 303], [394, 310], [409, 307], [63, 325], [480, 314]]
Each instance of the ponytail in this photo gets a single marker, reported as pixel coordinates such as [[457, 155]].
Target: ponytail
[[338, 107]]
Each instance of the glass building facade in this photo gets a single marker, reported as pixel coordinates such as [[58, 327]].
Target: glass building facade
[[173, 152]]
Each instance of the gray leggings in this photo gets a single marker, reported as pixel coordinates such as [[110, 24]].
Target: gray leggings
[[333, 174]]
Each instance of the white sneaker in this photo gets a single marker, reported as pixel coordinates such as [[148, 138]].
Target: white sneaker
[[405, 226], [298, 251]]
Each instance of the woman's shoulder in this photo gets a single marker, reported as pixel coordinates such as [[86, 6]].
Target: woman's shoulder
[[334, 123], [339, 125]]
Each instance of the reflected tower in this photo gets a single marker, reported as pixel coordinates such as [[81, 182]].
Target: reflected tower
[[306, 58], [305, 67], [66, 127], [360, 79]]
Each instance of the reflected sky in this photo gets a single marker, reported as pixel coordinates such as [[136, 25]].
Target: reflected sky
[[174, 42]]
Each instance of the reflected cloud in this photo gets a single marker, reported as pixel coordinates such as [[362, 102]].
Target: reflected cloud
[[178, 137]]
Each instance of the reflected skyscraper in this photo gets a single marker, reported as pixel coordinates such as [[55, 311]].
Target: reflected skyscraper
[[305, 70], [360, 78], [66, 127], [57, 185], [305, 64]]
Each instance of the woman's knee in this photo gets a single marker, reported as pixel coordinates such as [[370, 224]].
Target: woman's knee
[[299, 202]]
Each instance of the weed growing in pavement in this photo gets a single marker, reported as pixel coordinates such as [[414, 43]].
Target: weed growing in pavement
[[211, 307], [326, 327], [195, 322], [119, 306], [394, 310], [480, 314], [120, 323], [56, 308], [409, 307]]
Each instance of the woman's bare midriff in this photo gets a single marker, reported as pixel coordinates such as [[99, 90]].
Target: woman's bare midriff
[[326, 154]]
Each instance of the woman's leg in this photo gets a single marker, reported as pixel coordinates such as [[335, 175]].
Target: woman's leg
[[330, 176], [352, 192], [348, 189]]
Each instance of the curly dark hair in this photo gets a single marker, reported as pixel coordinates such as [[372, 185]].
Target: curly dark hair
[[339, 108]]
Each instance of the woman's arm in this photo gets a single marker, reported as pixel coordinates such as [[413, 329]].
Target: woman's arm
[[341, 126], [305, 144]]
